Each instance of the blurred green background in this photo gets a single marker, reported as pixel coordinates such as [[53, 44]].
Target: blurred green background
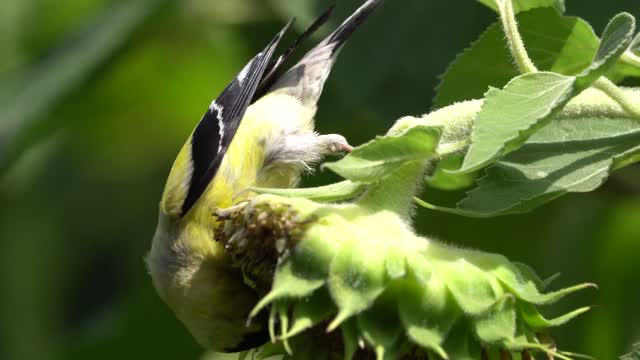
[[97, 96]]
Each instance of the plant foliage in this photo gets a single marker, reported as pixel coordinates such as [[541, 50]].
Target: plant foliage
[[359, 268], [633, 355]]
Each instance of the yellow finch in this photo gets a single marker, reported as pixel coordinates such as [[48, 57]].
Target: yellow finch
[[258, 132]]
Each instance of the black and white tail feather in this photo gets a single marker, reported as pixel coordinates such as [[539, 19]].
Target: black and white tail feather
[[274, 70], [304, 81]]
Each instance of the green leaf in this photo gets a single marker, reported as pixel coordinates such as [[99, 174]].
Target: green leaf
[[573, 155], [561, 44], [428, 311], [312, 256], [381, 327], [287, 284], [510, 116], [535, 320], [343, 190], [516, 282], [615, 40], [349, 331], [25, 100], [529, 273], [474, 290], [357, 277], [443, 179], [269, 351], [634, 354], [462, 344], [282, 309], [395, 262], [499, 323], [508, 273], [380, 157], [310, 312], [524, 5], [556, 43], [222, 356]]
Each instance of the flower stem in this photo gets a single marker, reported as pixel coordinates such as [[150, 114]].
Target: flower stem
[[514, 40], [630, 58], [450, 148], [616, 93]]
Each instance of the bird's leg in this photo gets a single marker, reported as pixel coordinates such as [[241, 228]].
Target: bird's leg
[[225, 213]]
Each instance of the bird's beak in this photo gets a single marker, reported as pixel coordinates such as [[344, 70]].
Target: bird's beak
[[346, 148]]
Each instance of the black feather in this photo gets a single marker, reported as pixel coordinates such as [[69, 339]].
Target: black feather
[[209, 142], [306, 79], [274, 71], [342, 33]]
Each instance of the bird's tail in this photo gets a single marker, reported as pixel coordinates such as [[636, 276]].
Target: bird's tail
[[306, 79], [273, 72], [342, 33]]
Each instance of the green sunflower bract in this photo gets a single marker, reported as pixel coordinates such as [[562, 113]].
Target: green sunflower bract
[[368, 270], [353, 279]]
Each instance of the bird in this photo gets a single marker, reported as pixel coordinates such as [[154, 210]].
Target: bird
[[260, 132]]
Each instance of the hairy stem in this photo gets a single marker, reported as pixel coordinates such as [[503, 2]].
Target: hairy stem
[[454, 147], [620, 96], [516, 45], [630, 58]]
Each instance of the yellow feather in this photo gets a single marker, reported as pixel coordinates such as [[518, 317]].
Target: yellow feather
[[190, 270]]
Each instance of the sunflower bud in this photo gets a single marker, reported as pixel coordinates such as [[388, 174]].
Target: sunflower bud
[[390, 292]]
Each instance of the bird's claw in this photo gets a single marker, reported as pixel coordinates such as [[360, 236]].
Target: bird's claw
[[227, 212]]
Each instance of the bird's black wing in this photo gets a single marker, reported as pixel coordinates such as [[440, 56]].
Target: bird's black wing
[[216, 129], [274, 70]]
